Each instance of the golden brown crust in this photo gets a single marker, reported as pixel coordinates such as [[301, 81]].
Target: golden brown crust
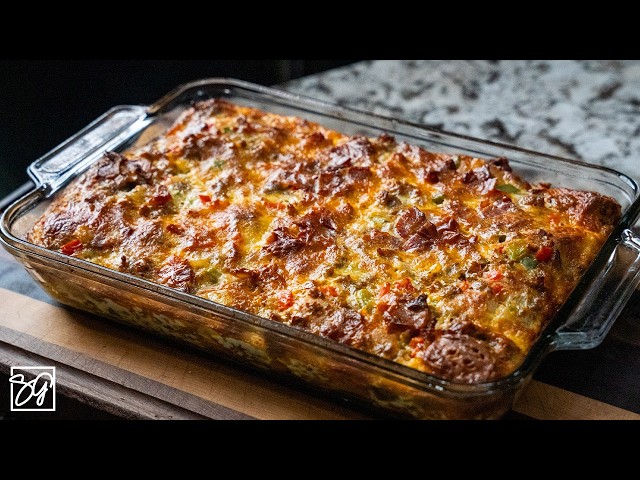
[[449, 264]]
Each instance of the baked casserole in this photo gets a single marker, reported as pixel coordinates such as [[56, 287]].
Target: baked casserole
[[449, 264]]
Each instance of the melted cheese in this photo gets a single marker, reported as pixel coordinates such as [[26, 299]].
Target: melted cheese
[[449, 264]]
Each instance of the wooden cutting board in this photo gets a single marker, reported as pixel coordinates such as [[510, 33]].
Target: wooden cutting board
[[127, 373]]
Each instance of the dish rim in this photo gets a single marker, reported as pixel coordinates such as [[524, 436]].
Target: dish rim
[[542, 345]]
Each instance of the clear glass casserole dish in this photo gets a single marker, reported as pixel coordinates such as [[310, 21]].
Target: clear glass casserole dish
[[289, 353]]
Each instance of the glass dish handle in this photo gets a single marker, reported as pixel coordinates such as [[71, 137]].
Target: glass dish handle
[[107, 132], [607, 295]]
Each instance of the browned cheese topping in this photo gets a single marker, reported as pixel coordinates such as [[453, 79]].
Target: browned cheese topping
[[449, 264]]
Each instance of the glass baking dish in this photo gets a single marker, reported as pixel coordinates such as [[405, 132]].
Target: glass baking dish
[[288, 353]]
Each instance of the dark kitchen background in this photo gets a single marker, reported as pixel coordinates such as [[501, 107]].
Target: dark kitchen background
[[43, 102]]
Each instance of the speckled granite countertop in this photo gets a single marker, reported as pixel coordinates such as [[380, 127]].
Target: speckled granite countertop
[[586, 110]]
